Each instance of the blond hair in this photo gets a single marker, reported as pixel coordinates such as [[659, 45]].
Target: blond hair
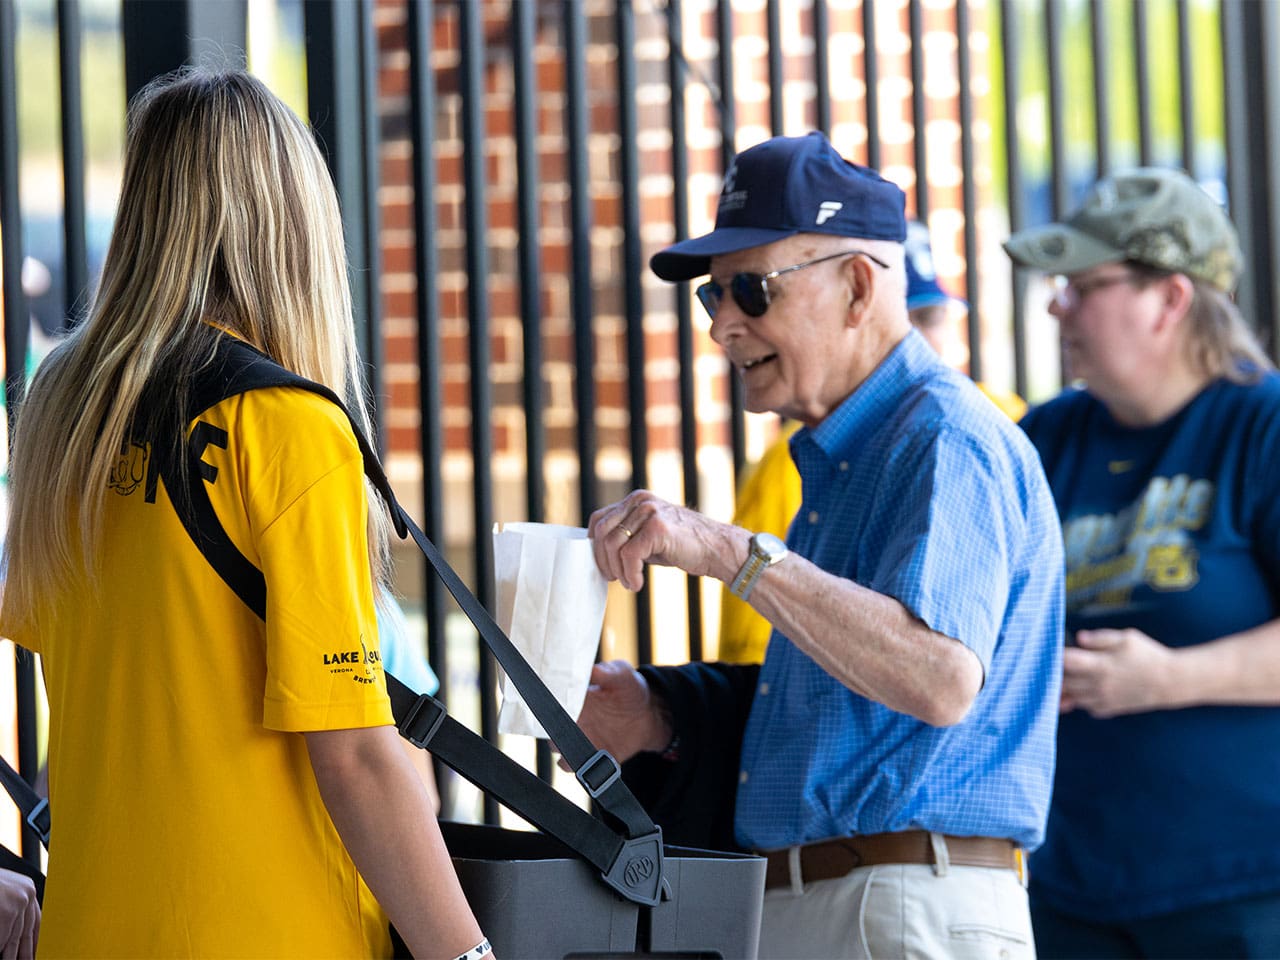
[[227, 213], [1219, 341]]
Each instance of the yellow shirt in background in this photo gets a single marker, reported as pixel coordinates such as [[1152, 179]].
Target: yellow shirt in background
[[768, 499]]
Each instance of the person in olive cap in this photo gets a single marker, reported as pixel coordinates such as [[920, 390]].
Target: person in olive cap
[[1164, 833], [895, 747]]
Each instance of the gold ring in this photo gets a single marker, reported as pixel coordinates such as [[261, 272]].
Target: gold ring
[[625, 530]]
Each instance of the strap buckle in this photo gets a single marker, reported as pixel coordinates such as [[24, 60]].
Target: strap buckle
[[422, 721], [38, 820], [590, 771]]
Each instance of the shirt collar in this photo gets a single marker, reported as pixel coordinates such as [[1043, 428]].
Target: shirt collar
[[872, 402]]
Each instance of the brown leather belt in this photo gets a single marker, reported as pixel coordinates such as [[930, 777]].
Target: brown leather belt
[[828, 859]]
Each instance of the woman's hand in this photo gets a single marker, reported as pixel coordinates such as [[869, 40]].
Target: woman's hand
[[1110, 673]]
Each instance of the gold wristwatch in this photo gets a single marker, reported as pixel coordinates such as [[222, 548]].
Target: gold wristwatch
[[766, 550]]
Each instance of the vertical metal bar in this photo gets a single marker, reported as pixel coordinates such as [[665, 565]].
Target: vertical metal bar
[[335, 105], [1011, 55], [821, 64], [1098, 33], [969, 201], [580, 222], [633, 291], [1142, 81], [523, 40], [1266, 172], [580, 294], [162, 35], [1239, 100], [370, 128], [728, 149], [684, 322], [919, 111], [477, 257], [777, 78], [16, 328], [1186, 88], [75, 260], [1057, 110], [422, 119], [871, 79]]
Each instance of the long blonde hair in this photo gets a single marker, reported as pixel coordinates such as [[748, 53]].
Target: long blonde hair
[[228, 214]]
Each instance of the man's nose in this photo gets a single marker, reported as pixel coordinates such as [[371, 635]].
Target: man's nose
[[727, 323]]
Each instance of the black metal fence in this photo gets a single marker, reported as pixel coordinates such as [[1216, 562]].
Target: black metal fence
[[1109, 83]]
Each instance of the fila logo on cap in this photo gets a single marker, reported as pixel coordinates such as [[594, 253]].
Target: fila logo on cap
[[826, 210]]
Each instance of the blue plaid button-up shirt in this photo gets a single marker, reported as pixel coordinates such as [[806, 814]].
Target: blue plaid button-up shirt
[[919, 488]]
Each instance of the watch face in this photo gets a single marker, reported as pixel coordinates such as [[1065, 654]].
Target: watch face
[[769, 546]]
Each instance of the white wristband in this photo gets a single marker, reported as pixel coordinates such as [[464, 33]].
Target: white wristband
[[481, 949]]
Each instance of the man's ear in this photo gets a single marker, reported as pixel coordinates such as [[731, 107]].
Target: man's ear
[[860, 278]]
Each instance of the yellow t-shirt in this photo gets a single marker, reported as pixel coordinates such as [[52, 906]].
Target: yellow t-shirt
[[768, 499], [186, 818], [1012, 405]]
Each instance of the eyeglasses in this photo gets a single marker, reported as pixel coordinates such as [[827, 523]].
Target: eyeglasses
[[1069, 294], [750, 291]]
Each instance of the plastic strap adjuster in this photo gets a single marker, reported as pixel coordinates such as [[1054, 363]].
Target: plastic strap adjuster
[[38, 820], [587, 772], [423, 720]]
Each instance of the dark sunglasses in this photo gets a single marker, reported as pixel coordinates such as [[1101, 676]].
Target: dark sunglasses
[[750, 291]]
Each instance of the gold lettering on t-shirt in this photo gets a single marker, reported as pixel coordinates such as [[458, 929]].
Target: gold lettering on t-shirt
[[1146, 542], [130, 468]]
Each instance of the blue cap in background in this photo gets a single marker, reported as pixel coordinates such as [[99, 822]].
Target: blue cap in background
[[785, 186], [923, 289]]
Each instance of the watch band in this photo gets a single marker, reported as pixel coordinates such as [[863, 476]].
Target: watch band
[[748, 575]]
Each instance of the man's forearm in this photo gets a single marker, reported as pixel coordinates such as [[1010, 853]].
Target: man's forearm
[[870, 642]]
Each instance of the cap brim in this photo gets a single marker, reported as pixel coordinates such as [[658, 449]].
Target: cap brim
[[1058, 248], [692, 258]]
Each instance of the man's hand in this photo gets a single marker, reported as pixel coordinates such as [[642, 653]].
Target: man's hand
[[19, 916], [1114, 672], [619, 714], [643, 528]]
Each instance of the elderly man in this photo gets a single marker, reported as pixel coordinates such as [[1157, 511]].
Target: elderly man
[[897, 753]]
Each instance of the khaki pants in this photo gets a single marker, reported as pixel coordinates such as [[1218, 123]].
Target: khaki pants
[[901, 911]]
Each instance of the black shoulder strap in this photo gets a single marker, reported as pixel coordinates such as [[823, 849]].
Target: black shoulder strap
[[238, 367]]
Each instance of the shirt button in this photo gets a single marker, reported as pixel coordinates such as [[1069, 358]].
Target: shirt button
[[813, 516], [764, 689], [844, 465], [742, 777]]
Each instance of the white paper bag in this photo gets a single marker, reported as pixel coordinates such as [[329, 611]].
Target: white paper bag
[[551, 598]]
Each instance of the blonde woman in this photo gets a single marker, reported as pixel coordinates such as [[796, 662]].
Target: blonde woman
[[224, 785]]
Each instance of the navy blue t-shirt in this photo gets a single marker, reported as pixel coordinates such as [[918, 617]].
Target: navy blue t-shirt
[[1173, 530]]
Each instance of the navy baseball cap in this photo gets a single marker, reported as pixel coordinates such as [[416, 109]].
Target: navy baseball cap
[[923, 289], [785, 186]]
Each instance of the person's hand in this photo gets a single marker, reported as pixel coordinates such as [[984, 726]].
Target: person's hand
[[643, 528], [620, 715], [1113, 672], [19, 916]]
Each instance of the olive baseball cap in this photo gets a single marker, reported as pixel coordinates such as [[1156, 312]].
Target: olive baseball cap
[[1150, 215], [785, 186]]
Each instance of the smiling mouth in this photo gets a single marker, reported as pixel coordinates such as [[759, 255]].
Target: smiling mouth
[[752, 364]]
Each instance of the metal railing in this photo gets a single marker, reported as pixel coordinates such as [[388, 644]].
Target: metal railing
[[1047, 61]]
